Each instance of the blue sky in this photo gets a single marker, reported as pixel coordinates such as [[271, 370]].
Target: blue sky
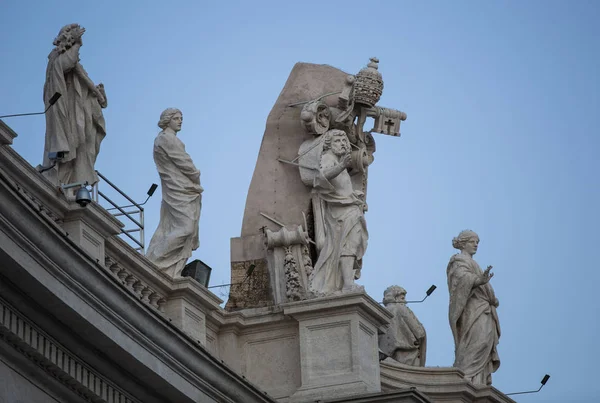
[[501, 138]]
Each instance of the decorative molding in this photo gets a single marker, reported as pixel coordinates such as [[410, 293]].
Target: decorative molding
[[64, 267], [307, 261], [134, 284], [293, 289], [57, 361]]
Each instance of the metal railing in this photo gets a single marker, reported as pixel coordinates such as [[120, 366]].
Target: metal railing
[[134, 212]]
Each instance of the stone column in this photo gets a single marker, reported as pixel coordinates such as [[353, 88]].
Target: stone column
[[338, 345]]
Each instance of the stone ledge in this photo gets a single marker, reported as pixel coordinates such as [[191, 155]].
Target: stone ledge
[[410, 395], [6, 134], [341, 303], [440, 384]]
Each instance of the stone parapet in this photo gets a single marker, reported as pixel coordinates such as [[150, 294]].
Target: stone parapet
[[440, 384]]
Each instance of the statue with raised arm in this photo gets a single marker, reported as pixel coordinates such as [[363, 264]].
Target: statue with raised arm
[[177, 233], [472, 313], [340, 213], [405, 340], [74, 125]]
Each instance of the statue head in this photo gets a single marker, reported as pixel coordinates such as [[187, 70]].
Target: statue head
[[394, 293], [467, 241], [337, 141], [68, 36], [172, 118]]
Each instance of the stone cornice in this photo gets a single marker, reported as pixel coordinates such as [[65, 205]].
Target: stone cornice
[[6, 134], [356, 300], [49, 198], [56, 360], [404, 395]]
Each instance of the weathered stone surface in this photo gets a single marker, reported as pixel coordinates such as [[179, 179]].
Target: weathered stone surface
[[249, 291], [273, 183]]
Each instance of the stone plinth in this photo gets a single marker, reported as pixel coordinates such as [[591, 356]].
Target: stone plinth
[[89, 227], [187, 306], [338, 345]]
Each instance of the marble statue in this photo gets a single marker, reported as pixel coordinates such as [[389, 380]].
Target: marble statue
[[177, 233], [289, 188], [75, 124], [405, 340], [341, 212], [472, 314]]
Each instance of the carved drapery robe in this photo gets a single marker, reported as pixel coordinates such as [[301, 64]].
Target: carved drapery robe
[[345, 228], [74, 124], [405, 340], [474, 320], [177, 233]]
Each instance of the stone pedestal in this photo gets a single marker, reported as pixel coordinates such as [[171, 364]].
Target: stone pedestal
[[187, 305], [89, 227], [338, 345]]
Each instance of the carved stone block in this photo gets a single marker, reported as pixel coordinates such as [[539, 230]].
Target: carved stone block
[[338, 345]]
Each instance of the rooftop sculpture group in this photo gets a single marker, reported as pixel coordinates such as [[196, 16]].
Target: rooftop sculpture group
[[315, 214]]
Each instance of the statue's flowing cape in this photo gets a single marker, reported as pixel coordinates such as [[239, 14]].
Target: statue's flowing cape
[[473, 319], [177, 233]]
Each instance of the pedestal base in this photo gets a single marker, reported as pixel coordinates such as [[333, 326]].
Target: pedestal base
[[338, 345]]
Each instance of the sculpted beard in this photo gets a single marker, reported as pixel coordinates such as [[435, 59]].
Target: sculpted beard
[[340, 149]]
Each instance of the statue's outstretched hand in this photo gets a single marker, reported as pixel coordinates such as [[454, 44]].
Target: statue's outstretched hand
[[346, 160], [486, 276], [101, 95]]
